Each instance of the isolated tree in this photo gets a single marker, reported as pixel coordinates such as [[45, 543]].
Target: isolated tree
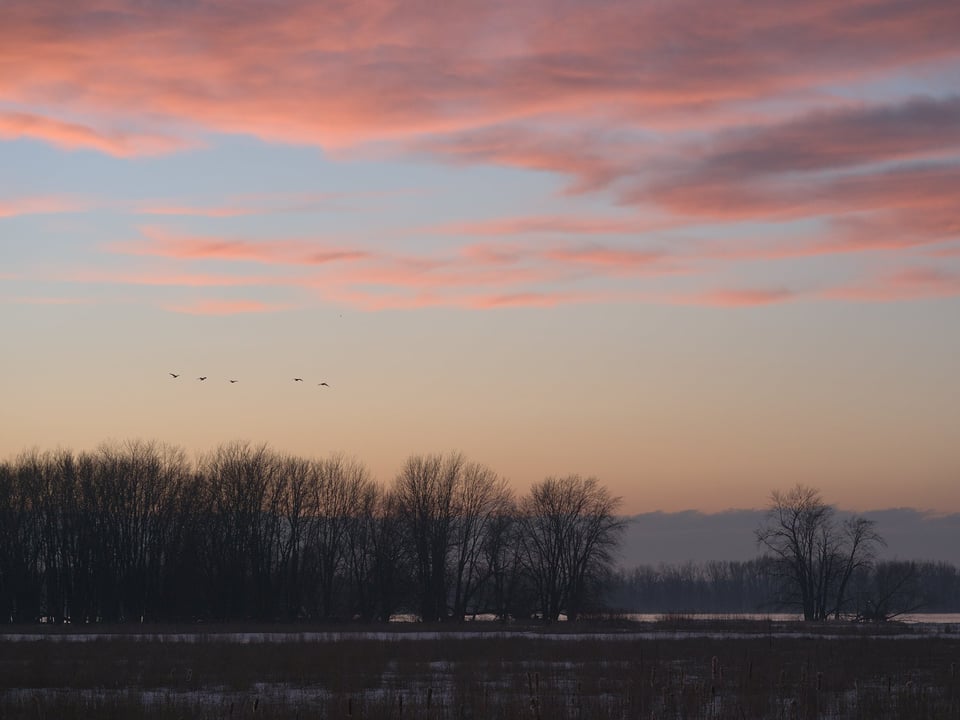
[[569, 531], [814, 555]]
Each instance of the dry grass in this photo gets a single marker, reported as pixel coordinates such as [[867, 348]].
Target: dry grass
[[763, 675]]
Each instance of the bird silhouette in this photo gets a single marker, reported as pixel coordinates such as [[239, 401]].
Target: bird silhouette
[[173, 375], [298, 379], [323, 384], [202, 378], [233, 381]]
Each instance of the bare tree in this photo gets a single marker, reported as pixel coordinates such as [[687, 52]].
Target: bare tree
[[814, 555], [297, 507], [377, 558], [425, 494], [246, 490], [341, 485], [569, 531], [481, 498], [891, 590], [503, 553]]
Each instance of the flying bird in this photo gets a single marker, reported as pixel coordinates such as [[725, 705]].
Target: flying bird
[[202, 378], [298, 379], [233, 381], [325, 384], [173, 375]]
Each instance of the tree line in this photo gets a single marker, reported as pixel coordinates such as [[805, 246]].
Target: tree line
[[753, 586], [813, 563], [137, 532]]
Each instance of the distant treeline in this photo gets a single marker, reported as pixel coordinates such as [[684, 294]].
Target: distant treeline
[[136, 531], [748, 587]]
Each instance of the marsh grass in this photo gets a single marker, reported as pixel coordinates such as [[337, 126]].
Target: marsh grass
[[763, 675]]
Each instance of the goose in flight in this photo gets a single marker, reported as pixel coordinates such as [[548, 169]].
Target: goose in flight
[[174, 375], [202, 378], [298, 379], [233, 381], [323, 384]]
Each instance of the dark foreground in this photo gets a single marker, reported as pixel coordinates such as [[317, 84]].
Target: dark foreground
[[654, 671]]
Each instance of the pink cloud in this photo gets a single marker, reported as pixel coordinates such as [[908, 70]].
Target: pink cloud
[[839, 137], [468, 301], [594, 161], [168, 279], [226, 307], [212, 211], [162, 243], [73, 136], [738, 297], [254, 204], [38, 300], [927, 187], [916, 283], [40, 205], [860, 232], [451, 273], [551, 224], [272, 69], [605, 256], [540, 300], [892, 230]]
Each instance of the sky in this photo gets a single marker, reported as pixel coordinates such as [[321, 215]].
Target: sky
[[655, 538], [699, 250]]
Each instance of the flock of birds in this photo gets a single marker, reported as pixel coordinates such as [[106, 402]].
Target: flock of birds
[[204, 377]]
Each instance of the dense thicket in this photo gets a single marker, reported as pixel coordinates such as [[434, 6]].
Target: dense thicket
[[137, 531]]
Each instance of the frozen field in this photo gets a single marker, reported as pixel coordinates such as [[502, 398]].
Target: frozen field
[[696, 669]]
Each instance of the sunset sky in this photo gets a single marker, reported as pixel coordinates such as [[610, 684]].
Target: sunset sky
[[698, 249]]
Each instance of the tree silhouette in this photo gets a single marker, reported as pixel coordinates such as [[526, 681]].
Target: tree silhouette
[[814, 555]]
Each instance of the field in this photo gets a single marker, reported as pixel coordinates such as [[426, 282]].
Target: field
[[671, 669]]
